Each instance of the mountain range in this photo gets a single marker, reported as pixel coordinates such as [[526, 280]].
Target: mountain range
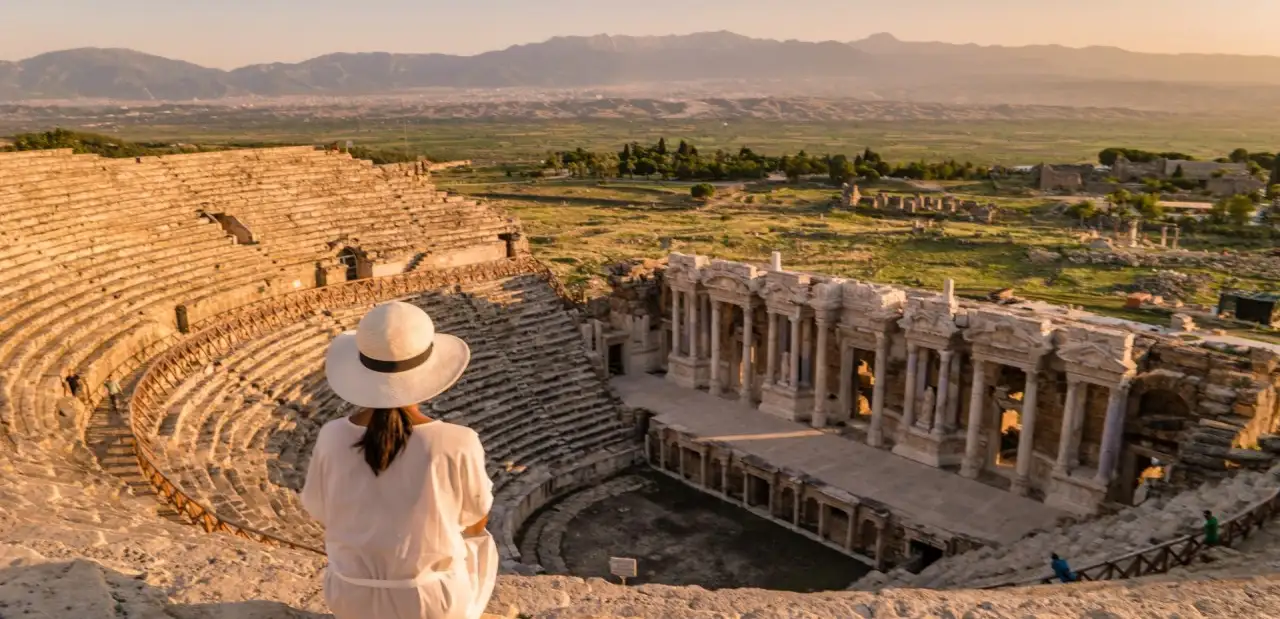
[[876, 67]]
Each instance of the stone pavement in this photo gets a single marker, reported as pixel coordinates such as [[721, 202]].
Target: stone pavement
[[922, 493]]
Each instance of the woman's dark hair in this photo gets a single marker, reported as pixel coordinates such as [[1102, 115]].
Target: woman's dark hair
[[388, 432]]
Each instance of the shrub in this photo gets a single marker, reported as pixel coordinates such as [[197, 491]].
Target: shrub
[[702, 191]]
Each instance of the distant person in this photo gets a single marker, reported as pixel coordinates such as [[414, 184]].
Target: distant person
[[1210, 528], [1061, 570], [113, 392], [404, 499], [74, 385]]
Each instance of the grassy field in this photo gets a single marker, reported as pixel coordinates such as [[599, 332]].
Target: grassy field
[[581, 226], [526, 141]]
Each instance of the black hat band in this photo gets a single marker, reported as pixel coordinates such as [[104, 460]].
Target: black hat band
[[395, 367]]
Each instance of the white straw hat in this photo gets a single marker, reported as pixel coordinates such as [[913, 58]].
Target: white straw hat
[[394, 358]]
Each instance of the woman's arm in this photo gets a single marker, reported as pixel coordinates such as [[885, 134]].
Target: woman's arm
[[312, 495], [475, 488]]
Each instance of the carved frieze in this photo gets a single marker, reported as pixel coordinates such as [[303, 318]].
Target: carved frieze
[[732, 282], [869, 306], [784, 291], [1092, 350], [685, 271], [1009, 338], [930, 318]]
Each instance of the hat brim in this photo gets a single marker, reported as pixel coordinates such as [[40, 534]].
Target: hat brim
[[350, 380]]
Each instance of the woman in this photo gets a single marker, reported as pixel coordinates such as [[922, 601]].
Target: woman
[[404, 499]]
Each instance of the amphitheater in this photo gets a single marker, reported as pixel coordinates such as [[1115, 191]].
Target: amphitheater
[[948, 444]]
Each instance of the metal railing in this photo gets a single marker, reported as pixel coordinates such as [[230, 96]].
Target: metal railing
[[1161, 558], [172, 366]]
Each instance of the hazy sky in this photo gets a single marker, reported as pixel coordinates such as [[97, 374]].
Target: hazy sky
[[229, 33]]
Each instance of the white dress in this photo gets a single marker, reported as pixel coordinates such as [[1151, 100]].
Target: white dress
[[394, 540]]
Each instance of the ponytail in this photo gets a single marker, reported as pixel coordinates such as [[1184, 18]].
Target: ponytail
[[388, 432]]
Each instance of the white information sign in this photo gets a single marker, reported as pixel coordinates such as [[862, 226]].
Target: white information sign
[[623, 568]]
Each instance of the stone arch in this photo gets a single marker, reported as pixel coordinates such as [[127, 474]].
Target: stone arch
[[350, 259], [809, 514], [1161, 401], [786, 503]]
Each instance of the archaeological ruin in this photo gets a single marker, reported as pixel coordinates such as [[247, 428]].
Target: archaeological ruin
[[164, 320]]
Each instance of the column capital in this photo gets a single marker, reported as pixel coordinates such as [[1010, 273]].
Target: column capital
[[881, 338]]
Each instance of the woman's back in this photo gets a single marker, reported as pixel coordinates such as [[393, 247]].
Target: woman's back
[[403, 523]]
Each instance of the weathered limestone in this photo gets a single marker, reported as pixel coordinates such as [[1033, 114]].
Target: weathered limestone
[[950, 381]]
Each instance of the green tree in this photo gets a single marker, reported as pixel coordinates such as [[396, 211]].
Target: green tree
[[1238, 155], [662, 146], [1275, 172], [1239, 209], [840, 170], [702, 191], [1149, 205], [1178, 173], [1085, 209]]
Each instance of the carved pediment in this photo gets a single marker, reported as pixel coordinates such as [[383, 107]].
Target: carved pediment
[[784, 287], [872, 298], [731, 277], [684, 270], [1098, 349], [1018, 336], [827, 295], [930, 316]]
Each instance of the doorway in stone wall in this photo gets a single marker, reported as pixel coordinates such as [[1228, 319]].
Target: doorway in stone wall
[[616, 364], [347, 258], [1141, 469]]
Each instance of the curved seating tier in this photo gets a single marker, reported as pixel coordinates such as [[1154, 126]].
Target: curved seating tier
[[234, 429], [96, 254]]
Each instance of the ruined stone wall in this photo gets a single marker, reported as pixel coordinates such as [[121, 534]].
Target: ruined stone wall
[[1165, 389], [1070, 178]]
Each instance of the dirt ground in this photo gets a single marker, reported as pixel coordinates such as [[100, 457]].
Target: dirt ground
[[680, 536]]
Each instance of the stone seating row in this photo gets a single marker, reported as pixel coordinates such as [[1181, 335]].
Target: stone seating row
[[106, 249], [238, 435]]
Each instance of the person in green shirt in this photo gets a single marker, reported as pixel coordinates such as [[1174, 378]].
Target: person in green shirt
[[1210, 528]]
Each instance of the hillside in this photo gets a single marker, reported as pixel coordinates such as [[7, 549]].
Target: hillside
[[879, 67]]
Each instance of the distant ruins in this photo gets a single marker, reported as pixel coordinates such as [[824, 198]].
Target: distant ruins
[[1049, 405], [1219, 179]]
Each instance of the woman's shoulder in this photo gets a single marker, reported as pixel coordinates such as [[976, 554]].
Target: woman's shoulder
[[443, 433]]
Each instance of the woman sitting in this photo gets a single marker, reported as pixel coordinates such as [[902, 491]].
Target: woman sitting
[[404, 499]]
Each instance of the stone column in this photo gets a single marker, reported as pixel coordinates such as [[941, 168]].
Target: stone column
[[848, 373], [1069, 412], [748, 371], [724, 478], [953, 396], [771, 352], [1177, 234], [695, 330], [944, 391], [1164, 236], [920, 383], [909, 398], [820, 376], [1026, 438], [675, 322], [972, 464], [703, 466], [716, 387], [1113, 432], [795, 353], [875, 435], [806, 353]]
